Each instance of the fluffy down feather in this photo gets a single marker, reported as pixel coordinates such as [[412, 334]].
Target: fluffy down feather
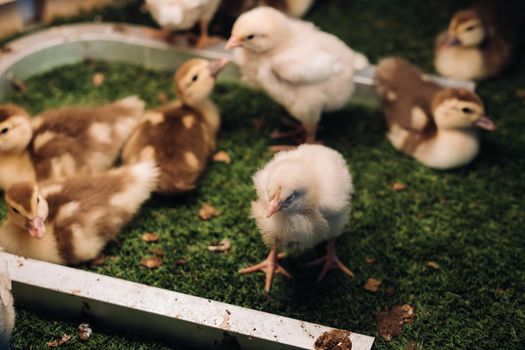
[[7, 311]]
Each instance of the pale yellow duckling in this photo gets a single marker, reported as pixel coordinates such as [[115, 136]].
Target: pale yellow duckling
[[71, 221], [433, 124], [180, 136], [480, 41], [15, 135]]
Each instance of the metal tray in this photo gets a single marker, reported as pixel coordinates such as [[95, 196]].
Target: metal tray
[[114, 303]]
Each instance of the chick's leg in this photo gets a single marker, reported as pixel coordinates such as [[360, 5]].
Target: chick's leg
[[204, 39], [269, 266], [330, 261]]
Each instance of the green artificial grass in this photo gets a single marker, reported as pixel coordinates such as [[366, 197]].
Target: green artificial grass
[[470, 221]]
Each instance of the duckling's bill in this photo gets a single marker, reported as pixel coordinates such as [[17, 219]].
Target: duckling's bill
[[217, 66], [484, 122], [36, 227]]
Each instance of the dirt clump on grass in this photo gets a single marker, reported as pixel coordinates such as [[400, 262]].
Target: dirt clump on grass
[[390, 323], [334, 340]]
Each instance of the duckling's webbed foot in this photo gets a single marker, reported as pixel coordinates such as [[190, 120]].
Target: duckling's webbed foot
[[330, 261], [270, 266]]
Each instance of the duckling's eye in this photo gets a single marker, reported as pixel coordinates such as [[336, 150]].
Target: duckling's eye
[[37, 200], [4, 131], [467, 110], [250, 37], [195, 77], [16, 211], [471, 28]]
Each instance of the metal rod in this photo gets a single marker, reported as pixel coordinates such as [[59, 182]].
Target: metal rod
[[158, 313]]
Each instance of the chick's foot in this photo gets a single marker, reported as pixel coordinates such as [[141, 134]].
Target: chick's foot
[[330, 261], [269, 266]]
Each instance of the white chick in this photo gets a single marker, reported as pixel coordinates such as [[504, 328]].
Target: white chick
[[302, 68], [7, 311], [177, 15], [303, 198]]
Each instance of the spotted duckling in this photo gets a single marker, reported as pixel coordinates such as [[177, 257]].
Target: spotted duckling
[[480, 41], [72, 141], [63, 142], [435, 125], [181, 135], [70, 221], [15, 136]]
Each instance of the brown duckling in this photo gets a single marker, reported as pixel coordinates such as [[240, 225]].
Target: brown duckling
[[64, 142], [433, 124], [181, 135], [70, 221], [480, 41], [15, 135]]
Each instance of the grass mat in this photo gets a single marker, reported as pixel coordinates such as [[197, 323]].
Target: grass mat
[[470, 221]]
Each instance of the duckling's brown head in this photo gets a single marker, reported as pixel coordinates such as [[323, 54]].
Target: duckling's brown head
[[465, 29], [195, 79], [15, 128], [455, 108], [27, 208]]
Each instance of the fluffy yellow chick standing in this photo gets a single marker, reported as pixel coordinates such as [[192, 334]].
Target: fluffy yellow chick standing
[[435, 125], [302, 68], [71, 221], [303, 198], [180, 136]]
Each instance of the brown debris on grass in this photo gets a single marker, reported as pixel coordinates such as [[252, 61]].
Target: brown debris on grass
[[334, 340], [390, 323], [56, 343], [150, 237], [222, 157], [97, 79], [221, 247], [208, 212], [84, 331], [370, 260], [151, 262], [372, 285], [433, 265], [399, 186]]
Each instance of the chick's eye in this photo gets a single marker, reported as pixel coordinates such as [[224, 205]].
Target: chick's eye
[[16, 211], [38, 200], [250, 37], [467, 110], [4, 131], [291, 197], [195, 77], [471, 28]]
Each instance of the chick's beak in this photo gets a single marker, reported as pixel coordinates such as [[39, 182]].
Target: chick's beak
[[36, 228], [275, 204], [232, 43], [217, 66], [484, 122]]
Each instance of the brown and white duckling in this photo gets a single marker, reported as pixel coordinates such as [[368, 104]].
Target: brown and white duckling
[[70, 221], [433, 124], [293, 8], [15, 135], [480, 42], [180, 136], [72, 141]]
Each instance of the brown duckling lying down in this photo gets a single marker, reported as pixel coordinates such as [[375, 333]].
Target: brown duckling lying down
[[64, 142], [180, 136], [435, 125], [70, 221]]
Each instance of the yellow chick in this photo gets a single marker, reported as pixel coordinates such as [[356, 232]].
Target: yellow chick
[[64, 142], [433, 124], [180, 136], [479, 43], [71, 221]]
